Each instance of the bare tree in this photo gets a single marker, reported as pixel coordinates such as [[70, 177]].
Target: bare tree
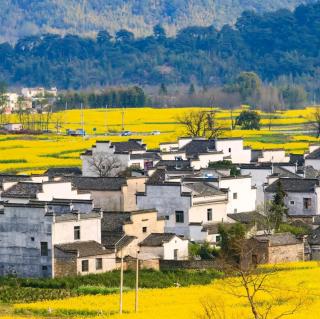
[[104, 164], [200, 124], [314, 121]]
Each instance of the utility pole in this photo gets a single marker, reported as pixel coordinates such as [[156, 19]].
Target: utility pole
[[122, 121], [121, 283], [106, 118], [82, 120], [137, 283]]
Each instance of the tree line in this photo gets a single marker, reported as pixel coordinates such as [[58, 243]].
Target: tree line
[[281, 47]]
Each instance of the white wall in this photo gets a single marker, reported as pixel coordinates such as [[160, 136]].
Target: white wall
[[108, 264], [315, 163], [204, 160], [275, 156], [235, 149], [63, 232]]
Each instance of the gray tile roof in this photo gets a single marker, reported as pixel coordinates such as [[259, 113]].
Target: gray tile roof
[[248, 218], [281, 239], [282, 172], [63, 171], [147, 156], [13, 178], [129, 146], [200, 189], [113, 222], [23, 190], [158, 177], [196, 147], [294, 185], [157, 239], [98, 183], [174, 164], [84, 248], [116, 240], [314, 155]]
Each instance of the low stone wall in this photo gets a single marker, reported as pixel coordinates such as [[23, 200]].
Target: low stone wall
[[187, 264]]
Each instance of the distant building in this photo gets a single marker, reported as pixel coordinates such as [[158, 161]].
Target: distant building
[[13, 127], [39, 92]]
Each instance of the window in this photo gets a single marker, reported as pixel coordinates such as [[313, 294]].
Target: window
[[167, 217], [76, 231], [292, 202], [144, 229], [218, 239], [209, 214], [85, 265], [135, 165], [32, 238], [44, 268], [98, 263], [44, 249], [175, 254], [179, 216], [307, 203], [235, 211], [235, 195], [229, 149]]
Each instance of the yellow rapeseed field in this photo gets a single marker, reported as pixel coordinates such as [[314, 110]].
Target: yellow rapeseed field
[[295, 283], [33, 154]]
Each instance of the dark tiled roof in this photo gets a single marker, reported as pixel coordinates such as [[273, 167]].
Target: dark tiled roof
[[158, 177], [174, 164], [113, 222], [157, 239], [84, 248], [248, 218], [13, 178], [196, 147], [213, 228], [147, 155], [310, 172], [279, 239], [282, 172], [200, 189], [64, 171], [295, 185], [23, 190], [116, 240], [314, 155], [296, 159], [129, 146], [98, 183]]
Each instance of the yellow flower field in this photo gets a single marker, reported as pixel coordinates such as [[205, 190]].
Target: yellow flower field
[[297, 283], [34, 154]]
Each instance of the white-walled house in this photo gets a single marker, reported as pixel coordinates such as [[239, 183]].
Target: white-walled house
[[302, 195], [166, 246], [270, 155], [23, 191], [312, 158], [201, 151], [118, 156], [185, 206]]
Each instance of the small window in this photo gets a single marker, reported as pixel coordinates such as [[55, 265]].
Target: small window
[[167, 217], [229, 149], [209, 214], [77, 234], [85, 265], [44, 268], [32, 238], [98, 263], [292, 202], [235, 195], [44, 249], [307, 203], [179, 216], [144, 229], [218, 239]]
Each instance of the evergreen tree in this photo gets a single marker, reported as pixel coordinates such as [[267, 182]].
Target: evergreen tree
[[278, 208], [191, 90], [163, 89]]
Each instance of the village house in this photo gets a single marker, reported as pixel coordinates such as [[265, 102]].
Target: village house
[[201, 151], [312, 157], [36, 242], [116, 194], [260, 173], [125, 231], [23, 191], [110, 158], [272, 249], [270, 156], [302, 195], [13, 127], [185, 205]]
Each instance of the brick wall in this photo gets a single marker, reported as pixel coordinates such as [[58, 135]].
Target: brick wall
[[64, 267]]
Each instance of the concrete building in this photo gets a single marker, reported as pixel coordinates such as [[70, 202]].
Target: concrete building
[[270, 155], [312, 158], [302, 195]]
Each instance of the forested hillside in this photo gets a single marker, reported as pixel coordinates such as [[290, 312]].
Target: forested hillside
[[20, 18], [276, 45]]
